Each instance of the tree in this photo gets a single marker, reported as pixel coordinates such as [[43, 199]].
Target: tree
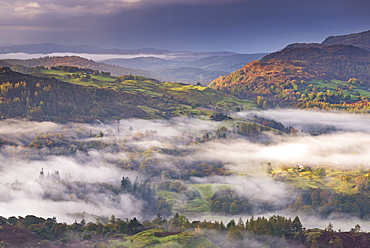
[[234, 208], [134, 225], [329, 228], [126, 184], [269, 169], [296, 225], [230, 224], [356, 229]]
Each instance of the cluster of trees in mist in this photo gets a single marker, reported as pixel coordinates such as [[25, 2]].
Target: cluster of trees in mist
[[325, 202]]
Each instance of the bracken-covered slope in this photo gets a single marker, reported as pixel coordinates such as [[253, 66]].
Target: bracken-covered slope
[[358, 39], [305, 76], [337, 61]]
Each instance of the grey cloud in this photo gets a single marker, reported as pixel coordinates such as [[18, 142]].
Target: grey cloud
[[33, 9]]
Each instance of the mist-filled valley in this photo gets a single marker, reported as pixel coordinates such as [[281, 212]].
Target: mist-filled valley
[[77, 171], [155, 148]]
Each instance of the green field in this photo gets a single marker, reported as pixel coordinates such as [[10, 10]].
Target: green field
[[198, 205], [148, 239], [334, 85]]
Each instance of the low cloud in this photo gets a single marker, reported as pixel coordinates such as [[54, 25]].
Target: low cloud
[[303, 119], [340, 149], [256, 189], [60, 192], [21, 165]]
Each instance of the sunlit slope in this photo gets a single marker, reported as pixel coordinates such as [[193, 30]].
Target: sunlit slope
[[305, 76], [87, 96], [152, 238]]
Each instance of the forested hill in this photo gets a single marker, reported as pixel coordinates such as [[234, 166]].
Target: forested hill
[[98, 95], [335, 61], [359, 39], [305, 76]]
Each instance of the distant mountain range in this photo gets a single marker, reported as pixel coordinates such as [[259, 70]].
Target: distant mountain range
[[224, 63], [182, 74], [185, 67]]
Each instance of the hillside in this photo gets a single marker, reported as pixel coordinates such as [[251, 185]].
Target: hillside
[[305, 76], [91, 96], [275, 232], [78, 62], [358, 39], [227, 63], [201, 70], [340, 62], [189, 74], [186, 75]]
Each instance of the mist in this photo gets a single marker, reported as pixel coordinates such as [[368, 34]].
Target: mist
[[95, 57], [183, 56], [59, 193], [257, 189], [338, 150], [305, 119]]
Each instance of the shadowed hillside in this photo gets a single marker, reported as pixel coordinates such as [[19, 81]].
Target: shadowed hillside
[[98, 95], [358, 39]]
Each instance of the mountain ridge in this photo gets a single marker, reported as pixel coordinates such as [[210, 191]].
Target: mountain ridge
[[361, 40]]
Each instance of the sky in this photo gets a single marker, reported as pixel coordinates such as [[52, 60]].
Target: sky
[[243, 26]]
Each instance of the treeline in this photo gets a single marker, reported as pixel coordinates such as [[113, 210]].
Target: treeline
[[275, 232], [50, 229], [229, 202], [273, 124]]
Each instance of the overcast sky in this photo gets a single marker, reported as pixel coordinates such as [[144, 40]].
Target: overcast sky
[[245, 26]]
